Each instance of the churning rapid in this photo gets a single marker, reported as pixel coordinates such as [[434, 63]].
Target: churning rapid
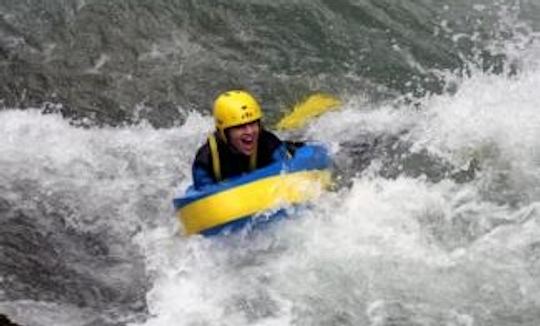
[[436, 216]]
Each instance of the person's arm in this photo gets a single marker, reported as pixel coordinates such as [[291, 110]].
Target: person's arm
[[293, 145], [201, 177], [201, 169], [281, 150], [286, 150]]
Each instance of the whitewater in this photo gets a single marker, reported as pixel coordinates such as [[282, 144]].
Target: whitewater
[[382, 251], [97, 136]]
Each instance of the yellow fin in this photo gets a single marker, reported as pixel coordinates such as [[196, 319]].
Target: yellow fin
[[311, 107]]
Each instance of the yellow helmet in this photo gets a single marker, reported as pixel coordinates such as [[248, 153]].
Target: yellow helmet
[[235, 108]]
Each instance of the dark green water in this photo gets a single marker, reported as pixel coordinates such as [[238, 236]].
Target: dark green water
[[105, 59], [87, 230]]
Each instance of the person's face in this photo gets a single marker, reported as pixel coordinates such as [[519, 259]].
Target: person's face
[[244, 138]]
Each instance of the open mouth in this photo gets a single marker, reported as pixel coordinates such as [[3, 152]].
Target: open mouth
[[247, 141]]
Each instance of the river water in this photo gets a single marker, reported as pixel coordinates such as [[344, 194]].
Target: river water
[[104, 104]]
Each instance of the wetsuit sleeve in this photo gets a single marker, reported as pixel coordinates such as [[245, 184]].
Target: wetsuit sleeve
[[291, 146], [201, 177], [201, 171], [281, 153], [286, 150], [281, 150]]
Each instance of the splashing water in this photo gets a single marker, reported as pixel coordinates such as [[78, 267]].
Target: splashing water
[[403, 251], [89, 237]]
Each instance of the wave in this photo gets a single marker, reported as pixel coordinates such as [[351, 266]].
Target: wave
[[88, 229]]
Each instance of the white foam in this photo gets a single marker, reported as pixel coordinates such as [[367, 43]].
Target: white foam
[[407, 247], [441, 252]]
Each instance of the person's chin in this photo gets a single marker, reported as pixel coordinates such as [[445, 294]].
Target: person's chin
[[247, 151]]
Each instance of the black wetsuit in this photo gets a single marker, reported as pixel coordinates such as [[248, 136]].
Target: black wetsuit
[[232, 163]]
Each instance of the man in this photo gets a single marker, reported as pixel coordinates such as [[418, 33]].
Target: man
[[240, 144]]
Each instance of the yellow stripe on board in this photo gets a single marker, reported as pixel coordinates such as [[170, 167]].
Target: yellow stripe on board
[[252, 198]]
